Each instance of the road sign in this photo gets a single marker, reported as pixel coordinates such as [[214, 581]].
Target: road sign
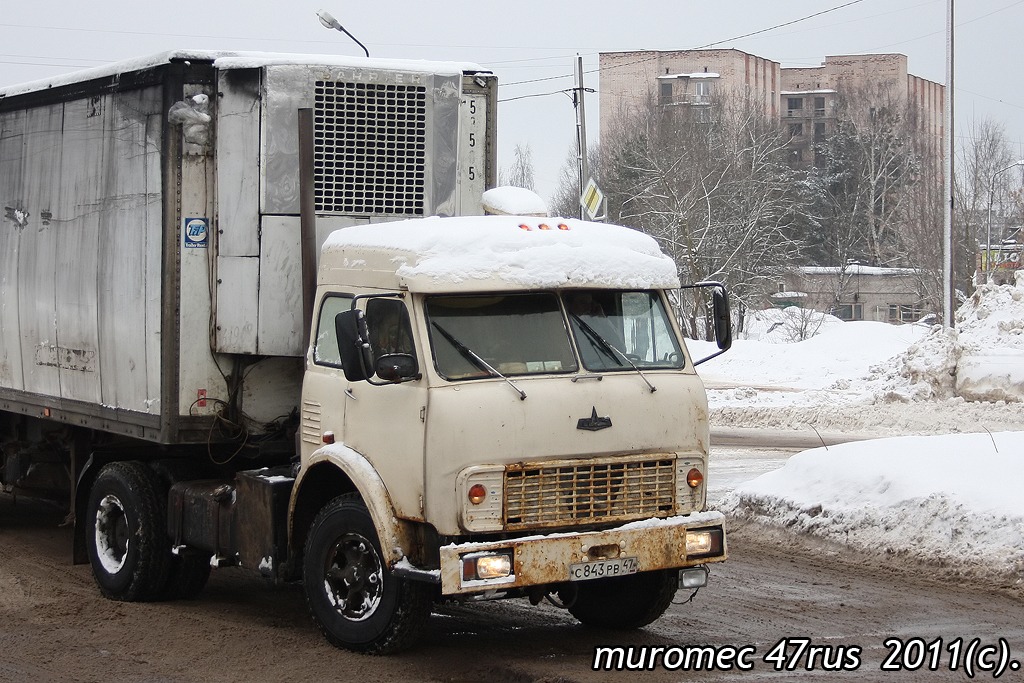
[[592, 199]]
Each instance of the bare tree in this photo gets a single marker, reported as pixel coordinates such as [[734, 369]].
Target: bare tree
[[566, 201], [710, 183], [881, 191], [870, 163], [984, 153], [520, 174]]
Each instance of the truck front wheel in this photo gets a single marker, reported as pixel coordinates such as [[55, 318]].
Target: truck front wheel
[[126, 535], [625, 602], [354, 598]]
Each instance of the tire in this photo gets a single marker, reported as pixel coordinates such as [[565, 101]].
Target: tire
[[187, 576], [626, 602], [353, 597], [126, 536]]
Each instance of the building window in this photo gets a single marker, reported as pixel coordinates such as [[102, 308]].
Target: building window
[[901, 313], [819, 106], [666, 91], [795, 106], [819, 131], [701, 91], [848, 311], [796, 130]]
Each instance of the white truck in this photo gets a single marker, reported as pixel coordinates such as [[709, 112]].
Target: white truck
[[460, 408]]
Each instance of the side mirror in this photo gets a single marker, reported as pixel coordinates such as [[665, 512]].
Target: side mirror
[[356, 356], [397, 367], [723, 323]]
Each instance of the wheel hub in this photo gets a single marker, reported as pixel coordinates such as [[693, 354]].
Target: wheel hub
[[112, 536], [354, 577]]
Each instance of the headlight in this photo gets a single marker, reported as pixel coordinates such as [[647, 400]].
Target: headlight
[[703, 542], [487, 566]]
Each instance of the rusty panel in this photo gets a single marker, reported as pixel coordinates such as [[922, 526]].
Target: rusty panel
[[560, 493], [546, 560]]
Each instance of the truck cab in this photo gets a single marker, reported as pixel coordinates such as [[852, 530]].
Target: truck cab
[[505, 407]]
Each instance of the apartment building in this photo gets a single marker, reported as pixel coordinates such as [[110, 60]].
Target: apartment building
[[808, 97], [803, 98], [683, 78]]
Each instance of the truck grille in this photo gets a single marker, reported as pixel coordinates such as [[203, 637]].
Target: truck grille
[[370, 148], [595, 491]]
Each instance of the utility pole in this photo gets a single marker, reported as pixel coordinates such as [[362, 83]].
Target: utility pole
[[581, 129], [948, 148]]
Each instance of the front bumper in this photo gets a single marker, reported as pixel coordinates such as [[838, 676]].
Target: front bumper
[[540, 560]]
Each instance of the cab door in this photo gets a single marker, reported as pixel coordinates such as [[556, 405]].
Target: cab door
[[323, 387], [384, 421]]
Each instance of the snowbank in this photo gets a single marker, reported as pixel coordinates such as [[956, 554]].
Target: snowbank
[[951, 500], [981, 359]]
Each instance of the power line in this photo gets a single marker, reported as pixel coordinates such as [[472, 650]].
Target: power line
[[788, 23], [746, 35]]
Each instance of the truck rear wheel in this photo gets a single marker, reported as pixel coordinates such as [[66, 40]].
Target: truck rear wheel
[[354, 598], [625, 602], [126, 537]]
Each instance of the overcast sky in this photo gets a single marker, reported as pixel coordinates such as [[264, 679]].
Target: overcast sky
[[530, 40]]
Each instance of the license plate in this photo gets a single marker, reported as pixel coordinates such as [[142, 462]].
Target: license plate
[[602, 569]]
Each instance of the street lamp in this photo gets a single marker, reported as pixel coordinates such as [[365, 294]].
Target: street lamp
[[330, 22], [988, 237]]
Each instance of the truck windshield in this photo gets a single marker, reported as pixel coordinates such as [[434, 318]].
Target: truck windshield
[[622, 330], [517, 334], [527, 334]]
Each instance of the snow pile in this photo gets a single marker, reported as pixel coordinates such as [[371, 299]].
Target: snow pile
[[513, 201], [951, 500], [834, 366], [786, 325], [991, 328], [859, 363], [981, 360], [519, 251]]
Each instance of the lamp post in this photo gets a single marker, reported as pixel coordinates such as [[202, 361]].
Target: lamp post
[[330, 22], [988, 237]]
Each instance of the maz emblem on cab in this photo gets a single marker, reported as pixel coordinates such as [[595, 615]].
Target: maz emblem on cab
[[594, 423]]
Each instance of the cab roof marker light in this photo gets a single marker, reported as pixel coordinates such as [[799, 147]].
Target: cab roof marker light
[[563, 226], [524, 226]]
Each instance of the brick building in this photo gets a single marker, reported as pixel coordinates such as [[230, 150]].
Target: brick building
[[857, 292], [803, 98], [808, 97], [683, 77]]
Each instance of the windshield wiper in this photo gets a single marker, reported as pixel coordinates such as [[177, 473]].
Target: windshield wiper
[[471, 356], [611, 347]]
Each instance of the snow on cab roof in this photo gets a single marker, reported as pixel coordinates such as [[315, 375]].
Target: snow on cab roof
[[224, 59], [521, 252]]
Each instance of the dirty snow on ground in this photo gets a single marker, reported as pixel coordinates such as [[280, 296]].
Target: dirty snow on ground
[[946, 490]]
